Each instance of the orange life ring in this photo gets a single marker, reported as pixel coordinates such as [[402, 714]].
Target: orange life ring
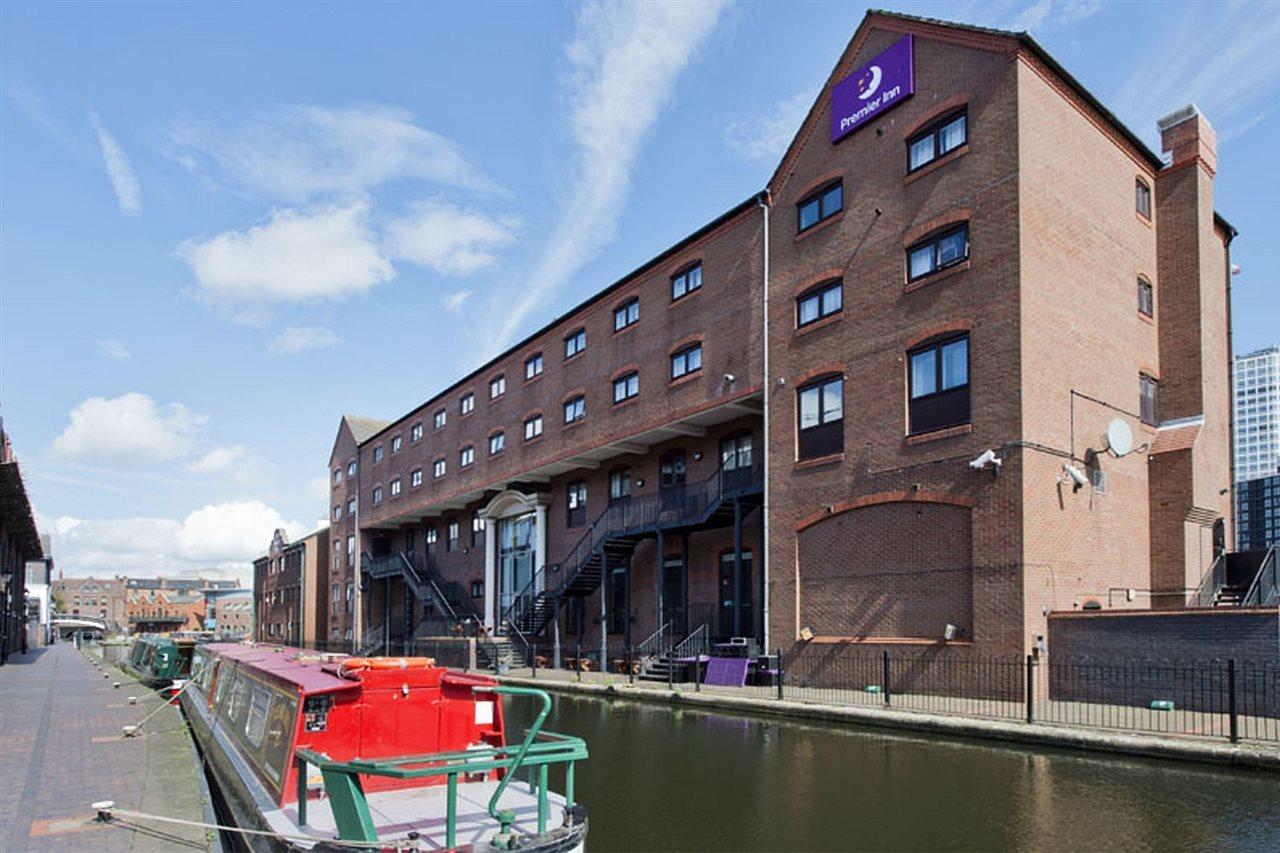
[[356, 664]]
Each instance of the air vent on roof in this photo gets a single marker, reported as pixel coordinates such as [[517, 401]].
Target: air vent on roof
[[1178, 116]]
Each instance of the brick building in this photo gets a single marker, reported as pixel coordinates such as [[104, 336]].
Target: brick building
[[19, 545], [142, 605], [288, 584], [961, 251]]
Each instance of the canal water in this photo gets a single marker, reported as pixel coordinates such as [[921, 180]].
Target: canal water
[[677, 779]]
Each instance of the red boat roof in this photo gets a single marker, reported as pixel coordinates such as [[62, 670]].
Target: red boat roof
[[301, 669]]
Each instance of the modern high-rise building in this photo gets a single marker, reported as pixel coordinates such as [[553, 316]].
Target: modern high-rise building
[[1257, 449], [962, 362]]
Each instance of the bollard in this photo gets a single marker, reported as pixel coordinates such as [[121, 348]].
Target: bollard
[[1031, 682], [133, 700], [885, 681], [1231, 700], [778, 651]]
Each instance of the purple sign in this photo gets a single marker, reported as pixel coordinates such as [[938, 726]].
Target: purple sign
[[880, 85]]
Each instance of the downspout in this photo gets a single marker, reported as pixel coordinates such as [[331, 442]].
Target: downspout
[[762, 200], [357, 624]]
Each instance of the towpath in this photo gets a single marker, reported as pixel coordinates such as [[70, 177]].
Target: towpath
[[62, 748]]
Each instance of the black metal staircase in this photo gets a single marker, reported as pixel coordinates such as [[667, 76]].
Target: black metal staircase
[[611, 540]]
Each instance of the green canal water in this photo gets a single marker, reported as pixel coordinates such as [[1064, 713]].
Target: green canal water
[[675, 779]]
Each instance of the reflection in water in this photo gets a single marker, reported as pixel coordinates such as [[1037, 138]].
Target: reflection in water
[[660, 779]]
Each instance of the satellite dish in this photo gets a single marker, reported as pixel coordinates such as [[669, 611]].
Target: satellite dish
[[1119, 437]]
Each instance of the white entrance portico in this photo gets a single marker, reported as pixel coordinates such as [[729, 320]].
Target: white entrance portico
[[515, 548]]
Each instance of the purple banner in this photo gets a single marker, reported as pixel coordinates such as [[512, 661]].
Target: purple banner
[[880, 85]]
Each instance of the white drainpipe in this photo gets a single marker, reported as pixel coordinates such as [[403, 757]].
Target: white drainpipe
[[764, 444]]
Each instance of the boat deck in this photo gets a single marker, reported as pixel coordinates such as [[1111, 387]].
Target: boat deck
[[396, 813]]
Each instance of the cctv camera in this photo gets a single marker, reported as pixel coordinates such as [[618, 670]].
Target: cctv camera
[[988, 457], [1077, 476], [730, 378]]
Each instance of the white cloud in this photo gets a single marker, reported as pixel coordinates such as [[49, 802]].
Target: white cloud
[[128, 428], [123, 180], [298, 339], [454, 302], [1048, 15], [317, 491], [766, 137], [447, 239], [220, 460], [225, 536], [114, 350], [301, 152], [1224, 60], [624, 60], [294, 256]]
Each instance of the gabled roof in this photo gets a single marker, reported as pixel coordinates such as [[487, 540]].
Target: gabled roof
[[935, 28], [363, 428]]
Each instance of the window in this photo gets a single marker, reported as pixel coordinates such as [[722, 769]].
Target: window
[[686, 360], [377, 495], [936, 253], [432, 535], [415, 432], [821, 417], [1149, 399], [451, 539], [337, 476], [1146, 298], [626, 314], [938, 139], [575, 409], [497, 387], [395, 444], [351, 506], [466, 456], [477, 589], [377, 453], [351, 469], [686, 281], [1142, 200], [533, 366], [820, 301], [395, 487], [440, 418], [577, 504], [438, 469], [337, 512], [467, 403], [533, 428], [823, 204], [415, 477], [497, 443], [477, 531], [626, 387], [938, 380], [575, 343], [619, 486]]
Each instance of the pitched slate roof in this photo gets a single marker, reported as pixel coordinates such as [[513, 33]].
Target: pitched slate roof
[[364, 428]]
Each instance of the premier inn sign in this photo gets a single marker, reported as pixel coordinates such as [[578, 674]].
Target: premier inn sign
[[880, 85]]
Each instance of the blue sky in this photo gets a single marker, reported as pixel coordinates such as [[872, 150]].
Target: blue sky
[[224, 225]]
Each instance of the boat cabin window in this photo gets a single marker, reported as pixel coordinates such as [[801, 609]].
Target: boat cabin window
[[256, 725]]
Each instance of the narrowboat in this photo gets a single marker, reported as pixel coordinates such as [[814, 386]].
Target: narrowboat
[[310, 751], [159, 661]]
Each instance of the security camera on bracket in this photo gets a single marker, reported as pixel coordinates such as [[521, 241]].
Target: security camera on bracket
[[988, 459], [1075, 476]]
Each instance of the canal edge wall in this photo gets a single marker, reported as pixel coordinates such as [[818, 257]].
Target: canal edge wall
[[1251, 756]]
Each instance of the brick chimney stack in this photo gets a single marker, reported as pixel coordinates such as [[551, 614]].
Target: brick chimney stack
[[1187, 136]]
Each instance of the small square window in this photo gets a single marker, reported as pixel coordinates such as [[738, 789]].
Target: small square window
[[575, 409], [415, 477], [395, 487], [818, 302], [467, 404], [939, 252], [377, 495], [687, 360], [395, 444], [415, 433], [940, 138], [441, 417], [626, 387], [686, 281], [466, 456], [497, 443], [377, 453], [626, 315], [575, 343], [438, 468], [533, 427], [533, 366], [497, 387], [819, 206]]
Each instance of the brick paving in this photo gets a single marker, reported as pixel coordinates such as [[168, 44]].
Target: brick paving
[[61, 748]]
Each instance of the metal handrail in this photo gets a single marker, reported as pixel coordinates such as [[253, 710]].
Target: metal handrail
[[698, 641], [1265, 588], [655, 645], [644, 513], [519, 635], [350, 805], [1211, 582]]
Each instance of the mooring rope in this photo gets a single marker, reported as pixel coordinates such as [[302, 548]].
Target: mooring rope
[[107, 812]]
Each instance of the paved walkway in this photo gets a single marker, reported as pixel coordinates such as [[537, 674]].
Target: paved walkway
[[61, 748]]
